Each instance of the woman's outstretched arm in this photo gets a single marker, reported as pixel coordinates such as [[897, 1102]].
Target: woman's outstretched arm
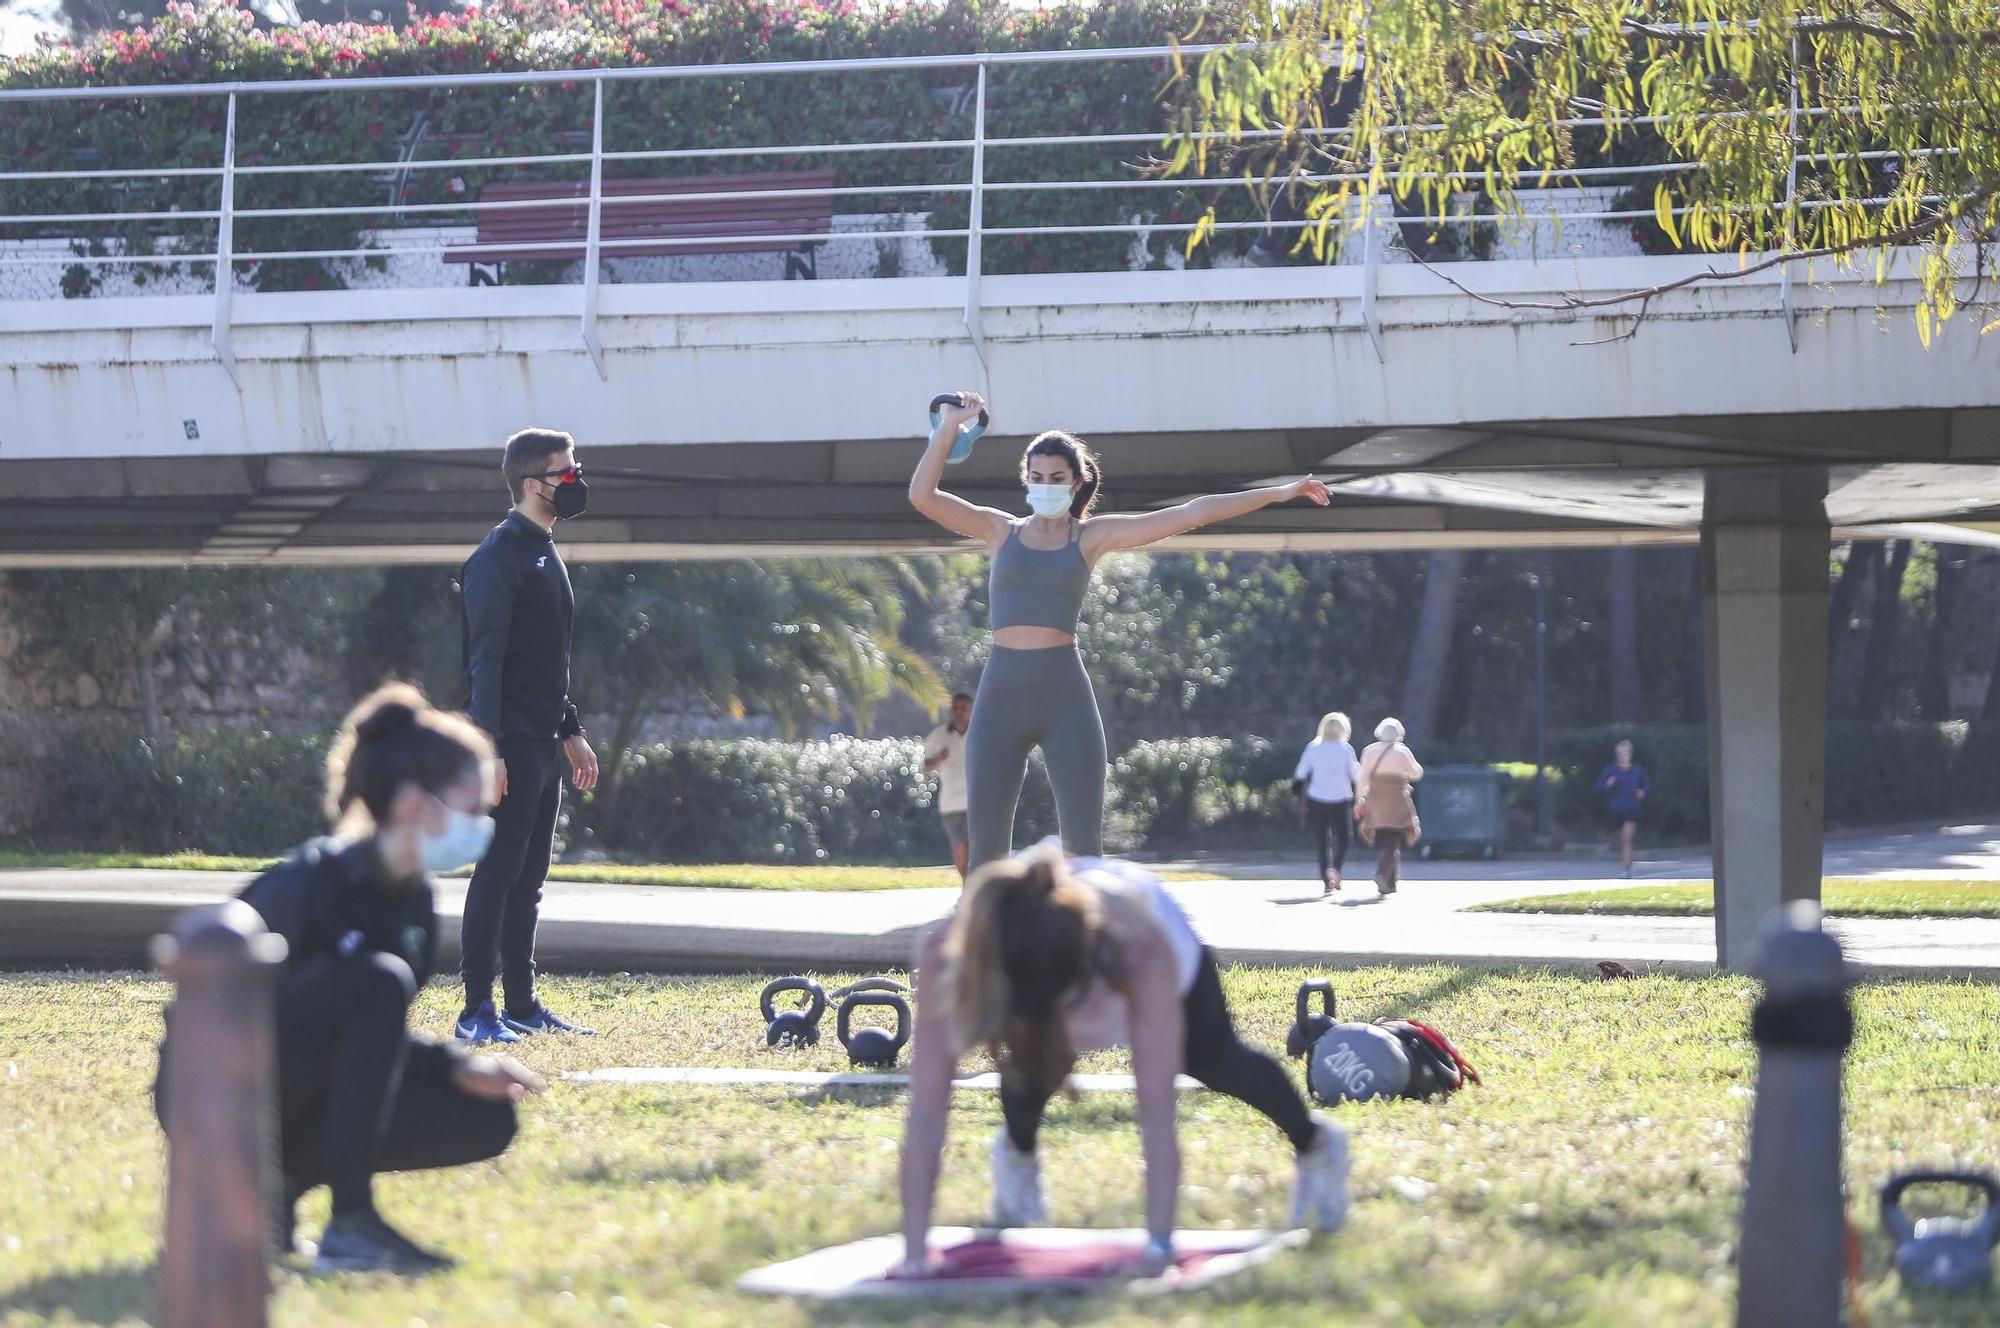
[[948, 510], [1104, 534]]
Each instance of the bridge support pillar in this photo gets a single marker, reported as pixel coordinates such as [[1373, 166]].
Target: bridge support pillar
[[1764, 545]]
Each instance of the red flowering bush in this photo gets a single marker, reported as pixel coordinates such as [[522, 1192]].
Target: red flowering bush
[[381, 129]]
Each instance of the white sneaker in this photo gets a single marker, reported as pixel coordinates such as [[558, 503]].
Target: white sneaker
[[1017, 1185], [1319, 1195]]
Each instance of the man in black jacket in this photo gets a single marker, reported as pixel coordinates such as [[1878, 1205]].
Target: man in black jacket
[[518, 610]]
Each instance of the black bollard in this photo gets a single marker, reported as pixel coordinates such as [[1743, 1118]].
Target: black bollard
[[1790, 1259], [214, 1271]]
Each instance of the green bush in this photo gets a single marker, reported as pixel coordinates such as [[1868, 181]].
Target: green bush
[[228, 791], [851, 800]]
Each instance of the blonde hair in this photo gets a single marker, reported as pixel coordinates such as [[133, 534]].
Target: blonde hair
[[1389, 730], [1333, 727], [1026, 937]]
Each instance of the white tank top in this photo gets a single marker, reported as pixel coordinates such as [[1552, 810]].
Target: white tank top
[[1114, 875]]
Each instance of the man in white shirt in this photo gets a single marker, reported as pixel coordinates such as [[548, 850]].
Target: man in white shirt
[[944, 752]]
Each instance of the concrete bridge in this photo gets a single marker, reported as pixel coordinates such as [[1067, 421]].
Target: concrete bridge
[[1464, 404]]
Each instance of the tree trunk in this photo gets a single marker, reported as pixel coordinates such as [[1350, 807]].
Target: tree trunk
[[1940, 656], [1694, 664], [149, 695], [1624, 636], [1864, 561], [1884, 626], [1430, 646]]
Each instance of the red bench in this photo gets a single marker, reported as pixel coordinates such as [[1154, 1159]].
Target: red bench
[[752, 222]]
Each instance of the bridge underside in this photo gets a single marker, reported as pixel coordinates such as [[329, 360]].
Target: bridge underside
[[1582, 483]]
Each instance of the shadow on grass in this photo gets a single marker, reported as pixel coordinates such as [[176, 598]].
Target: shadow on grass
[[119, 1294]]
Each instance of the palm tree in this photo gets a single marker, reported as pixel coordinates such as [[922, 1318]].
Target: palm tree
[[803, 641]]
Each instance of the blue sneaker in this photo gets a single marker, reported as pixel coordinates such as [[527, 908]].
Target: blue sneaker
[[482, 1026], [541, 1021]]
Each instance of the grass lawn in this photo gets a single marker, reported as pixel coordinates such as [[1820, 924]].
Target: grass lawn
[[1595, 1180], [730, 876], [1889, 898]]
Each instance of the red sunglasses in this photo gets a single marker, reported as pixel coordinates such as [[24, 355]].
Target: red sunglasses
[[572, 475]]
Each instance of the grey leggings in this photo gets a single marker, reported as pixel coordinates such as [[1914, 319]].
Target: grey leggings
[[1029, 699]]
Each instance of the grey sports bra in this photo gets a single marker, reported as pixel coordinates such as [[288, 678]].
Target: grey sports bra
[[1038, 587]]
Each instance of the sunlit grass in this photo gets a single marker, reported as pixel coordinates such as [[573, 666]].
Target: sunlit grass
[[1595, 1179], [1854, 898], [727, 876]]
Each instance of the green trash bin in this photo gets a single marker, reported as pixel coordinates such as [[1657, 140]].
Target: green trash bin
[[1464, 810]]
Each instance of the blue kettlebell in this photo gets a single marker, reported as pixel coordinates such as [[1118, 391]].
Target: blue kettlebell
[[968, 433], [873, 1046], [792, 1028], [1944, 1253]]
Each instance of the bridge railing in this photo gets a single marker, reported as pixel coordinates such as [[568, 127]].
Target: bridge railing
[[948, 202]]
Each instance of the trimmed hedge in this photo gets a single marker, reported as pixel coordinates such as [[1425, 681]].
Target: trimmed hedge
[[218, 43], [857, 800]]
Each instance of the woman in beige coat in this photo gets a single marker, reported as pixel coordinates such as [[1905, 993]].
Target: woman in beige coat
[[1382, 801]]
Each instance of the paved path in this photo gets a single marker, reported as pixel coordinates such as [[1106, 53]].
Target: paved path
[[1271, 913]]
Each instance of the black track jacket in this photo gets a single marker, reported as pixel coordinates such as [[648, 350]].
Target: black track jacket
[[518, 609]]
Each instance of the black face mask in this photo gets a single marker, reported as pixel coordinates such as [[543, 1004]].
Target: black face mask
[[569, 500]]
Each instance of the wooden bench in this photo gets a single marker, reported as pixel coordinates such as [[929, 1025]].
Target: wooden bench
[[650, 210]]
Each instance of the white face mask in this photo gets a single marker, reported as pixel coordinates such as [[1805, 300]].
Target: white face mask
[[464, 840], [1048, 499]]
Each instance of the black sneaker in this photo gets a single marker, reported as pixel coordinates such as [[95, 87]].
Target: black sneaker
[[369, 1245], [541, 1021]]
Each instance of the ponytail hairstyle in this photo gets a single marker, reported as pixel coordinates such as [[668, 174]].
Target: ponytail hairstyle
[[392, 738], [1082, 461], [1026, 939]]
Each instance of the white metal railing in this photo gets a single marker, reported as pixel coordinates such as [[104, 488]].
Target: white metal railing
[[224, 260]]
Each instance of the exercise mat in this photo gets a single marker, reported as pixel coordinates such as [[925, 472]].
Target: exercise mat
[[1019, 1261]]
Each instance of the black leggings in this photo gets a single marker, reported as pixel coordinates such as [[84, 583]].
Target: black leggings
[[1330, 821], [503, 901], [358, 1095], [1213, 1055]]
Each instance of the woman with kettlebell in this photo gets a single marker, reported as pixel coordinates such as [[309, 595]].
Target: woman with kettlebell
[[1044, 959], [1034, 691], [357, 1093]]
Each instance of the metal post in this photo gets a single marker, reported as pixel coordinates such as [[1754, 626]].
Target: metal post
[[1372, 264], [225, 250], [1540, 580], [1794, 1216], [218, 1106], [594, 234], [1791, 197], [975, 222]]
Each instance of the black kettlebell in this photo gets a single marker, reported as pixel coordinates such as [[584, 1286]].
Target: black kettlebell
[[1309, 1027], [793, 1028], [873, 1046], [1943, 1253]]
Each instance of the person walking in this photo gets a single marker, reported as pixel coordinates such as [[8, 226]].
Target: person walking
[[1044, 959], [944, 753], [357, 1093], [518, 612], [1035, 691], [1383, 802], [1324, 782], [1624, 786]]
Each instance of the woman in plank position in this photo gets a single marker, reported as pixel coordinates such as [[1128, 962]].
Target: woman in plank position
[[1044, 959], [1034, 691]]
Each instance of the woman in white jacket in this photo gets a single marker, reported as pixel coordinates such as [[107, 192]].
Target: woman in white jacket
[[1324, 783], [1383, 802]]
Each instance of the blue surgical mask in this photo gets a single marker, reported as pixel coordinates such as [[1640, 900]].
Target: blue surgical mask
[[463, 840], [1048, 499]]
